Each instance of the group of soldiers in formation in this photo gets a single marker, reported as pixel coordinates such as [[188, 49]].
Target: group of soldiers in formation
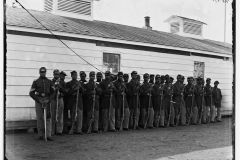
[[116, 104]]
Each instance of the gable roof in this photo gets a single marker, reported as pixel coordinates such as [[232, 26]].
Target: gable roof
[[20, 18]]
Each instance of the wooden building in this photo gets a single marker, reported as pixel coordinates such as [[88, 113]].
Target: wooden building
[[108, 46]]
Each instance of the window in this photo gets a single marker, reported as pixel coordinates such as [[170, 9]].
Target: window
[[174, 27], [111, 62], [198, 69]]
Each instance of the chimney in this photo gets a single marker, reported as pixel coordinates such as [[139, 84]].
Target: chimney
[[147, 23]]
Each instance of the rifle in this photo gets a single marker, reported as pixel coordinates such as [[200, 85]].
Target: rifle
[[200, 120], [170, 110], [110, 106], [123, 109], [75, 116], [190, 116], [57, 83], [93, 110], [160, 106], [149, 103], [209, 116]]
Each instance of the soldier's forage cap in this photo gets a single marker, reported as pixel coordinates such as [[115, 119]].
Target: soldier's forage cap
[[120, 74], [82, 73], [189, 78], [146, 75], [166, 76], [42, 69], [92, 73], [99, 74], [56, 71], [151, 75], [157, 76], [216, 82], [208, 79], [63, 73], [107, 73], [171, 78], [73, 72], [134, 72], [125, 75]]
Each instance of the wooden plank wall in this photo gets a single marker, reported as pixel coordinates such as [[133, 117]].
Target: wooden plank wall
[[25, 55]]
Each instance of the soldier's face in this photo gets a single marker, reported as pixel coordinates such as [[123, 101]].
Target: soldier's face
[[134, 76], [56, 76], [107, 76], [208, 82], [120, 77], [146, 79], [83, 76], [74, 76], [42, 74], [92, 77], [215, 84], [99, 77], [62, 77]]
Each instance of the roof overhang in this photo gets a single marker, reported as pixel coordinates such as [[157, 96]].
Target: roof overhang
[[32, 30]]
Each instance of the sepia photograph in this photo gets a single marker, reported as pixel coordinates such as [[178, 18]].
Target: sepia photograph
[[119, 80]]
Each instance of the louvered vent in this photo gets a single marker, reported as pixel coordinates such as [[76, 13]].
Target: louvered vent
[[175, 27], [192, 28], [75, 6], [48, 5]]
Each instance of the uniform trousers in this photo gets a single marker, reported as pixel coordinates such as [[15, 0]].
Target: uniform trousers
[[76, 118], [169, 111], [108, 116], [40, 120], [147, 116], [218, 107], [57, 115]]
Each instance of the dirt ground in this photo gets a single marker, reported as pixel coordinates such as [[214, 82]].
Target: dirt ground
[[146, 144]]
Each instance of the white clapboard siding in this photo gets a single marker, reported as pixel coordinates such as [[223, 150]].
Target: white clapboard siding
[[26, 54], [20, 113]]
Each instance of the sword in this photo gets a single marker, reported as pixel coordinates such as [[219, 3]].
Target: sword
[[149, 103], [122, 118], [45, 122], [170, 110], [190, 116], [200, 118]]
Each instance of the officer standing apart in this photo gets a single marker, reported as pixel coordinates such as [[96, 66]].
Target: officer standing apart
[[41, 91], [108, 103], [75, 103], [217, 98]]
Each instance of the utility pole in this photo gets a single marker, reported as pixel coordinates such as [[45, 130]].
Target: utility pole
[[225, 21]]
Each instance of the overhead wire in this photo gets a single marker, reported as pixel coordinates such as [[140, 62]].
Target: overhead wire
[[57, 37]]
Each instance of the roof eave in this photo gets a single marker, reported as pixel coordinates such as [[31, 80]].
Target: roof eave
[[33, 30]]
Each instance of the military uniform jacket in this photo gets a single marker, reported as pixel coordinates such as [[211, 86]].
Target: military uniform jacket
[[188, 95], [133, 93], [59, 87], [208, 94], [106, 86], [217, 95], [41, 88], [157, 96], [178, 89], [72, 93], [121, 90], [146, 95], [89, 94], [167, 90]]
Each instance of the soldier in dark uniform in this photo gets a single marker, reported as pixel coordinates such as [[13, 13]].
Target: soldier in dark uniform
[[169, 109], [217, 98], [209, 113], [122, 114], [133, 93], [58, 103], [146, 107], [75, 103], [151, 81], [190, 101], [92, 94], [55, 100], [162, 111], [178, 89], [83, 81], [199, 96], [108, 103], [157, 98], [62, 93], [99, 80], [41, 92], [171, 79], [125, 77]]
